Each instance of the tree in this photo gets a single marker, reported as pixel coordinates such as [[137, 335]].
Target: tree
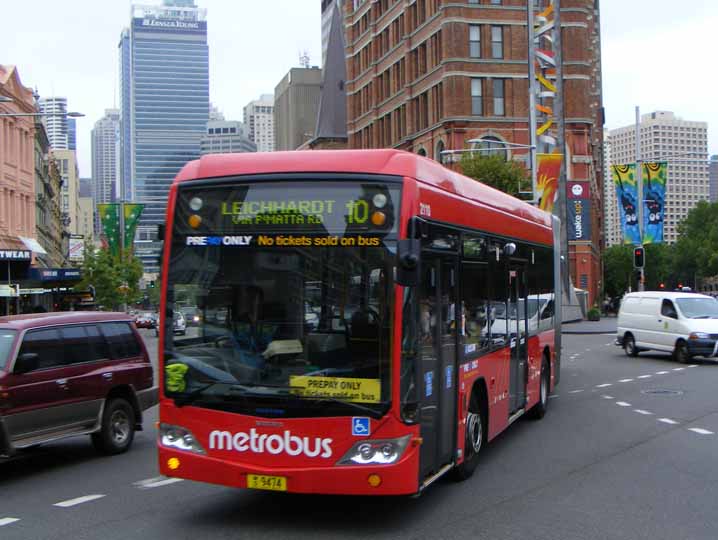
[[115, 279], [617, 269], [695, 253], [495, 171]]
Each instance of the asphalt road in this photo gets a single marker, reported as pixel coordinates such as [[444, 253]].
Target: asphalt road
[[626, 451]]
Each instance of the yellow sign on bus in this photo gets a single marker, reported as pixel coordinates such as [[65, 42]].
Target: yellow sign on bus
[[348, 389]]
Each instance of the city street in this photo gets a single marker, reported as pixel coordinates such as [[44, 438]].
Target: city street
[[626, 451]]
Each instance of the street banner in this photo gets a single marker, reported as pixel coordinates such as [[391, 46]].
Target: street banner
[[548, 171], [624, 178], [110, 219], [654, 201], [579, 219], [132, 218], [578, 190]]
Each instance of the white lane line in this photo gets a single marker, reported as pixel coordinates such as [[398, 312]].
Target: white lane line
[[678, 368], [623, 404], [667, 421], [604, 385], [79, 500], [607, 397], [7, 521], [644, 376], [661, 372], [641, 411], [575, 391], [693, 365], [156, 482], [626, 380], [554, 396], [700, 431]]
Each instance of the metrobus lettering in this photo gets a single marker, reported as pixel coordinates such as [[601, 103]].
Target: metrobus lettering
[[317, 207], [274, 444]]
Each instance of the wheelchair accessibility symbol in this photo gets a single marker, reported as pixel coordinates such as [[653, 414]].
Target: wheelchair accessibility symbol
[[360, 426]]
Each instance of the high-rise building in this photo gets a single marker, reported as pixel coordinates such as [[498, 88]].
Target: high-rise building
[[259, 119], [164, 87], [713, 178], [611, 217], [106, 157], [328, 9], [71, 134], [226, 137], [683, 144], [296, 101], [431, 76], [55, 119]]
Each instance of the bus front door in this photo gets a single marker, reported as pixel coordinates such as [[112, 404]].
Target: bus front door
[[440, 323], [518, 337]]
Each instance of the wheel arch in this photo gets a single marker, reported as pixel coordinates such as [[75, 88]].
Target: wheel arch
[[126, 392]]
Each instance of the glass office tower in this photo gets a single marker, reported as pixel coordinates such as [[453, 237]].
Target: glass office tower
[[164, 60]]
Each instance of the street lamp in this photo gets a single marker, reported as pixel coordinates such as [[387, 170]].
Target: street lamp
[[69, 114], [5, 99]]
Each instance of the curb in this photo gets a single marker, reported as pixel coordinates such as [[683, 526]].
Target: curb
[[588, 332]]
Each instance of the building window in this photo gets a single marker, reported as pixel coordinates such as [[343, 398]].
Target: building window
[[496, 2], [474, 41], [477, 98], [439, 149], [421, 152], [491, 145], [499, 97], [497, 42]]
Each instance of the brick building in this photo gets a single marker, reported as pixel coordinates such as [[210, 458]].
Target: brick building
[[432, 75]]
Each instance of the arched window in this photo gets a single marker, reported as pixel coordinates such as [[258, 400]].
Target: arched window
[[421, 152], [491, 145], [439, 149]]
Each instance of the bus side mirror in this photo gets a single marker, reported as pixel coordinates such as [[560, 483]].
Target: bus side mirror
[[407, 267]]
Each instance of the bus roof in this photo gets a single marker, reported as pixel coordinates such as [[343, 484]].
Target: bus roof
[[382, 161]]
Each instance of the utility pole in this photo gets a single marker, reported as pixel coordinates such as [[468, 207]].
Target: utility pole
[[532, 103], [639, 172]]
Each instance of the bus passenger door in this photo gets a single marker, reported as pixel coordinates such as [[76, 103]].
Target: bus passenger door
[[440, 318], [517, 317]]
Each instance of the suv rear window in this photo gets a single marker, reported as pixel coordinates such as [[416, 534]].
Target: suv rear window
[[83, 344], [46, 344], [122, 341]]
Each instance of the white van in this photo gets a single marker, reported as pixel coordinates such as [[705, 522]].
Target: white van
[[685, 324]]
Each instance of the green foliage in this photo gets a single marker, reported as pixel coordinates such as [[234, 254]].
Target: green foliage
[[115, 279], [154, 293], [493, 170], [594, 314], [617, 269]]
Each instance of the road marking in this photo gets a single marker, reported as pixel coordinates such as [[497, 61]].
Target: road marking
[[607, 397], [678, 368], [667, 421], [575, 391], [626, 380], [7, 521], [79, 500], [693, 365], [641, 411], [700, 431], [644, 376], [623, 404], [661, 372], [604, 385], [156, 482], [553, 397]]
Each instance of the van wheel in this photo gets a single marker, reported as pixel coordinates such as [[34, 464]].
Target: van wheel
[[629, 346], [681, 353], [475, 434], [538, 411], [117, 430]]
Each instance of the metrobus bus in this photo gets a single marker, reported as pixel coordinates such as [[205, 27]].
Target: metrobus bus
[[367, 321]]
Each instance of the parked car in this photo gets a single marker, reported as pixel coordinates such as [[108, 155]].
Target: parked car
[[685, 324], [67, 374], [191, 314]]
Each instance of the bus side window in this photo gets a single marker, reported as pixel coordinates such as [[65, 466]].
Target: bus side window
[[475, 290]]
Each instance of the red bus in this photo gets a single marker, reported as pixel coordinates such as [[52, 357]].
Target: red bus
[[366, 321]]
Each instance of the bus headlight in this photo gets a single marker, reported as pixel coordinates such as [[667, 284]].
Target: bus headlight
[[179, 438], [378, 452]]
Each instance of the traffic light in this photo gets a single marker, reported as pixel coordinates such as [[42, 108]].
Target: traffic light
[[152, 284], [661, 286], [638, 257]]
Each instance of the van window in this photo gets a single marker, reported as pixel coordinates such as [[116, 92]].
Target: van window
[[44, 343], [668, 309], [121, 339]]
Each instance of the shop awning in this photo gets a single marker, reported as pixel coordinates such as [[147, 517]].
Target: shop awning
[[33, 245], [12, 249]]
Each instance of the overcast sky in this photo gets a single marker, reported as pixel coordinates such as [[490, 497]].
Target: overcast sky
[[655, 54]]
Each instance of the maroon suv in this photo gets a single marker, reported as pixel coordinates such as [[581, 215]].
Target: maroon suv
[[65, 374]]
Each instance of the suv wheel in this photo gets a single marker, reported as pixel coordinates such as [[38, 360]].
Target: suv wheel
[[118, 428]]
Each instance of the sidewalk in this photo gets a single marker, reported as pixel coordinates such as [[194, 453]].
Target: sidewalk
[[607, 325]]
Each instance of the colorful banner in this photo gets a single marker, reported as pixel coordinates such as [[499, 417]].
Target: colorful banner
[[624, 178], [549, 169], [132, 218], [654, 199], [76, 248], [579, 219], [110, 219], [578, 190]]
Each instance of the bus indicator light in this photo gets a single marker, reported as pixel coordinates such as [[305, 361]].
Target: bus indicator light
[[378, 218], [379, 200], [374, 480], [195, 221], [173, 463], [195, 204]]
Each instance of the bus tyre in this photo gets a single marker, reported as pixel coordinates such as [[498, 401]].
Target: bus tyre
[[475, 435], [681, 353], [538, 411], [629, 346], [118, 428]]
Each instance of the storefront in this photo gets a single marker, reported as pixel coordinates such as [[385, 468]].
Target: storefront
[[14, 265]]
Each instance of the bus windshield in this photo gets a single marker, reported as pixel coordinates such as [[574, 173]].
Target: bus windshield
[[292, 294]]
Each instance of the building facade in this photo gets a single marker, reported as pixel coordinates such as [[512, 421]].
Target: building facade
[[713, 178], [55, 119], [436, 75], [70, 192], [48, 214], [611, 216], [296, 102], [106, 157], [683, 144], [226, 137], [164, 83], [328, 9], [259, 119]]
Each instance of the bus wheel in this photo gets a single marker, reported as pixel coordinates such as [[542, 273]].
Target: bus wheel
[[475, 437], [538, 411]]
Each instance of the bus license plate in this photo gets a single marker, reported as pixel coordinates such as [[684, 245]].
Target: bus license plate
[[272, 483]]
